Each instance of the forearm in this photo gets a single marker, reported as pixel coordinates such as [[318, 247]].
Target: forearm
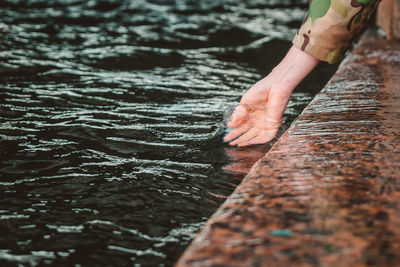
[[294, 67]]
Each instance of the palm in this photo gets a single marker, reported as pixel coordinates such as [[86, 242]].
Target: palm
[[258, 117]]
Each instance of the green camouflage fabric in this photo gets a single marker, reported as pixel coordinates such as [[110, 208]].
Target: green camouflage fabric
[[330, 26]]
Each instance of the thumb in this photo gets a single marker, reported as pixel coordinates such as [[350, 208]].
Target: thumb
[[238, 116]]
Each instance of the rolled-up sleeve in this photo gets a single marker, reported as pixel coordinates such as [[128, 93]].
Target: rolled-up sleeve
[[330, 26]]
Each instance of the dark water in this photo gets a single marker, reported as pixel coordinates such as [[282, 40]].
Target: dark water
[[110, 141]]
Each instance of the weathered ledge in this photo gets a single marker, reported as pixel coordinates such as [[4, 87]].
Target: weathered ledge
[[328, 192]]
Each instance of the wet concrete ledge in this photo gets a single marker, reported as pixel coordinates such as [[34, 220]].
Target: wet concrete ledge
[[328, 192]]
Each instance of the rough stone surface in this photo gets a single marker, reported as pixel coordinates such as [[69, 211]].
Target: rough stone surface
[[328, 192]]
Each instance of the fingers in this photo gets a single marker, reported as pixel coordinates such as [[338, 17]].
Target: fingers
[[259, 116], [238, 116], [253, 132], [264, 137], [237, 132]]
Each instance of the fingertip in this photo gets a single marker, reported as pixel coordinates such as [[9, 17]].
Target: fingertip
[[232, 143], [228, 137], [248, 143], [255, 141]]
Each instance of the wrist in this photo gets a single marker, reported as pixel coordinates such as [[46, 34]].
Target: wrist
[[295, 66]]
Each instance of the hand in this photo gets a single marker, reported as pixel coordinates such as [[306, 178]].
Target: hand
[[258, 117], [256, 120]]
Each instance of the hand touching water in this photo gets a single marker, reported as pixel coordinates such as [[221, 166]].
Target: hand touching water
[[258, 117], [256, 120]]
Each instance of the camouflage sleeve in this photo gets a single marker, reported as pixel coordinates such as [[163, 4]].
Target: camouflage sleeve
[[330, 26]]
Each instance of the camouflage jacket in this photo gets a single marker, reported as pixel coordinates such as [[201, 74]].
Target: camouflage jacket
[[330, 26]]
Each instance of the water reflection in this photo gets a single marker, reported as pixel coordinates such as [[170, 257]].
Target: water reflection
[[244, 158]]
